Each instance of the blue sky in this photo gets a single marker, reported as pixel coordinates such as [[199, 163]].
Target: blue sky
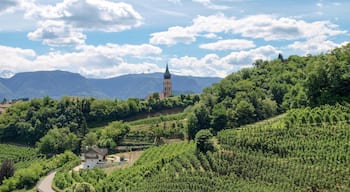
[[107, 38]]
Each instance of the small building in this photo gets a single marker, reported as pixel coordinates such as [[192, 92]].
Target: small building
[[93, 156]]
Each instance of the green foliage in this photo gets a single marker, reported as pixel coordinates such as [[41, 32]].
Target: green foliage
[[26, 178], [83, 187], [17, 153], [197, 120], [152, 160], [296, 152], [204, 141], [57, 141], [112, 134], [28, 121], [90, 139], [272, 87]]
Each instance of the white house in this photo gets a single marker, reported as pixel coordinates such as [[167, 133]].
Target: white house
[[92, 156]]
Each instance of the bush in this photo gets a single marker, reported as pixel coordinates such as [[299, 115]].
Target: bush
[[204, 141]]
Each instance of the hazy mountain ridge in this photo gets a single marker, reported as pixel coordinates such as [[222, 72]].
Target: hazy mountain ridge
[[61, 83]]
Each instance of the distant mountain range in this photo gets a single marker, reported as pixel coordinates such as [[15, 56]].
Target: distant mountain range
[[57, 84]]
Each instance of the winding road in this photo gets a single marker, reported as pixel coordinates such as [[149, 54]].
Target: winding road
[[45, 184]]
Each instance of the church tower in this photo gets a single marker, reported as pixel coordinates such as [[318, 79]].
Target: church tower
[[167, 89]]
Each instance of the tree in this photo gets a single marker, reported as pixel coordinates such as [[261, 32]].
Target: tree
[[244, 112], [57, 141], [192, 127], [204, 141], [90, 139], [219, 117], [7, 170], [112, 134]]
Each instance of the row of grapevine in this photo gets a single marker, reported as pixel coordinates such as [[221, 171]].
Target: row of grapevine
[[17, 153], [150, 163], [301, 155]]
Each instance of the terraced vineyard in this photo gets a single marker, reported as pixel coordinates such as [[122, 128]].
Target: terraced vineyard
[[273, 155], [18, 154]]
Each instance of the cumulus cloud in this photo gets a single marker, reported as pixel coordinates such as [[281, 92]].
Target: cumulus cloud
[[201, 27], [94, 61], [229, 44], [248, 57], [267, 27], [213, 65], [54, 33], [113, 60], [65, 22], [316, 45], [271, 28], [115, 50], [173, 36]]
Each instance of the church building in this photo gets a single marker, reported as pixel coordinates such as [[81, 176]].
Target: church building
[[167, 86]]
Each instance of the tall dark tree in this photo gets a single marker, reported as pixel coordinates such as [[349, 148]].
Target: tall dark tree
[[7, 170], [204, 141]]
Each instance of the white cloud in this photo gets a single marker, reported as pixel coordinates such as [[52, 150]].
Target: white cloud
[[267, 27], [115, 50], [53, 33], [207, 25], [229, 44], [316, 45], [65, 22], [213, 65], [173, 36], [248, 57], [271, 28], [113, 60], [101, 61]]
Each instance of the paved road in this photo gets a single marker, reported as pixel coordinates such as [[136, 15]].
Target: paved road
[[45, 184]]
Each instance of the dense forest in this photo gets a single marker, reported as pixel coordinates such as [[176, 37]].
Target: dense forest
[[304, 147]]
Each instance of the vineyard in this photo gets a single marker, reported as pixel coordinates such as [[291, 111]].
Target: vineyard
[[301, 154], [302, 150], [151, 162], [21, 156]]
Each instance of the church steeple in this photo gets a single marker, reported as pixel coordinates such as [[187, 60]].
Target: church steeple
[[167, 74], [167, 87]]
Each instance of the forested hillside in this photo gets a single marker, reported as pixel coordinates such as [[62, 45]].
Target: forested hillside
[[273, 87], [27, 122]]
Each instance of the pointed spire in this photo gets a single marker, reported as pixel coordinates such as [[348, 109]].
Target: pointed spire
[[167, 74]]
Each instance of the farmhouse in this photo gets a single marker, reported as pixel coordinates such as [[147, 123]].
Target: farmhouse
[[93, 156]]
